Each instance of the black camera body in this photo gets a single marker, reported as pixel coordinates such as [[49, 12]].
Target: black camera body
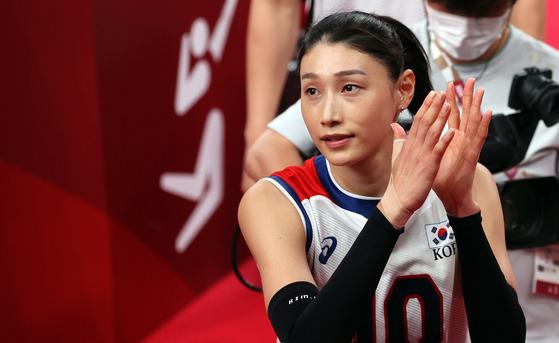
[[535, 92], [536, 97], [530, 206]]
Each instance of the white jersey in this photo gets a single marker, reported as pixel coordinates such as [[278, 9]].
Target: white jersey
[[419, 293]]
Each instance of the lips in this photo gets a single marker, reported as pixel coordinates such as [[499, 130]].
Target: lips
[[336, 140], [335, 137]]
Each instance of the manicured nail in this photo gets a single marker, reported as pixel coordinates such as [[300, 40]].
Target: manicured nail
[[446, 108], [450, 133]]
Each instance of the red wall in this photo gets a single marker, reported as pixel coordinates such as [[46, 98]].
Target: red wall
[[552, 24], [111, 147], [100, 170]]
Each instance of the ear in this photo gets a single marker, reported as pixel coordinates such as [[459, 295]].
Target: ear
[[405, 89]]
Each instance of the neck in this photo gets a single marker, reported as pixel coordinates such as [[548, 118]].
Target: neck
[[493, 50], [368, 178]]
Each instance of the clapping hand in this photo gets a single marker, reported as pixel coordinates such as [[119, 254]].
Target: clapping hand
[[454, 180], [416, 159]]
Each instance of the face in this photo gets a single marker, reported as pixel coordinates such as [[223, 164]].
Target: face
[[348, 103], [467, 38]]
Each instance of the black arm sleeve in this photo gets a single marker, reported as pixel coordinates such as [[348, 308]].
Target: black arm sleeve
[[299, 313], [494, 314]]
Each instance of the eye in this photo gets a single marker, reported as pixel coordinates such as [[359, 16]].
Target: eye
[[311, 91], [350, 88]]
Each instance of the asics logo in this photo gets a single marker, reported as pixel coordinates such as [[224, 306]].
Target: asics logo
[[328, 247]]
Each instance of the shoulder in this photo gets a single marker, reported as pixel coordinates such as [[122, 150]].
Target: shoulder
[[265, 213], [301, 180], [274, 196], [482, 174], [296, 172], [484, 187], [282, 192], [545, 53], [261, 196]]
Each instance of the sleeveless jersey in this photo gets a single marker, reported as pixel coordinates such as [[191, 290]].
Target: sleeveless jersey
[[419, 294]]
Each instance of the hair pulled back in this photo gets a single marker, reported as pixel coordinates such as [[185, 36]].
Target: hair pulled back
[[385, 39]]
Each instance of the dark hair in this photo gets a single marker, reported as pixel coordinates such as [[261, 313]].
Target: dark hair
[[385, 39], [474, 8]]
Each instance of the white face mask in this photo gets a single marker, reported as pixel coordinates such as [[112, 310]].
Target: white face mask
[[464, 38]]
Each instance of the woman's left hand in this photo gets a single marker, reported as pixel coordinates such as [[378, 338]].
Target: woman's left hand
[[454, 180]]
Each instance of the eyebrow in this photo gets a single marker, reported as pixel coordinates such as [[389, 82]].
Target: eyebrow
[[338, 74]]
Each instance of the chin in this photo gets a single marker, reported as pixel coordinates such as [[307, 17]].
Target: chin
[[339, 159]]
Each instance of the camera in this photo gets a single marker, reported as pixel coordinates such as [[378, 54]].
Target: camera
[[535, 92], [536, 97], [529, 206]]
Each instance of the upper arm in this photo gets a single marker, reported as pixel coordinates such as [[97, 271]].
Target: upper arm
[[274, 233], [486, 194], [272, 32], [530, 16]]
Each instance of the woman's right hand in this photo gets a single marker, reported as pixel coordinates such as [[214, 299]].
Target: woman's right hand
[[416, 160]]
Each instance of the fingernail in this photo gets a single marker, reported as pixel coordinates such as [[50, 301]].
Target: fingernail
[[451, 132]]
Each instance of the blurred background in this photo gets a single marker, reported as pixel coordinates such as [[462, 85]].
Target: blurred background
[[121, 143]]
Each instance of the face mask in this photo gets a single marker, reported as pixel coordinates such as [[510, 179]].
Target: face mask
[[464, 38]]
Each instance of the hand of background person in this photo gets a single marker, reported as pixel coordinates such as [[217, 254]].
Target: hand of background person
[[454, 180]]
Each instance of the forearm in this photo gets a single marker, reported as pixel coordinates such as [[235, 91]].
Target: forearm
[[336, 312], [273, 28], [494, 314], [270, 153]]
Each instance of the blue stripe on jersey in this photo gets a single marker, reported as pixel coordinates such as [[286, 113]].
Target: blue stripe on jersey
[[345, 201], [295, 197]]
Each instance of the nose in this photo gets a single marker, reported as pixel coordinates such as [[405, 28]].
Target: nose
[[332, 112]]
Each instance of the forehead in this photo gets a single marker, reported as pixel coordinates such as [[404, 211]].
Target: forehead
[[328, 57]]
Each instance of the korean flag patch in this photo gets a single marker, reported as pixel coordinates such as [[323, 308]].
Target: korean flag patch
[[439, 235]]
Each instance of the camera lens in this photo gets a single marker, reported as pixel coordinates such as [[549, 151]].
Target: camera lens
[[521, 210]]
